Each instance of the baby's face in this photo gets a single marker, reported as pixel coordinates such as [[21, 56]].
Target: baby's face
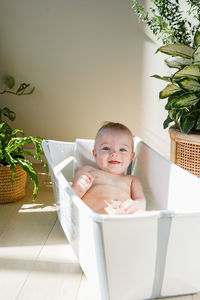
[[113, 151]]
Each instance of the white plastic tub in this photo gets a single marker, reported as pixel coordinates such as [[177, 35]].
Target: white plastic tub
[[131, 257]]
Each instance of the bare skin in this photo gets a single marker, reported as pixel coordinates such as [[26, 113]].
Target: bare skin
[[106, 189]]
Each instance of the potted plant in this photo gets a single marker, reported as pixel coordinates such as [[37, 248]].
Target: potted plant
[[180, 35], [14, 164]]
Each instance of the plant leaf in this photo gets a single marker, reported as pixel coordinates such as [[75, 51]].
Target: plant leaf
[[165, 78], [197, 38], [15, 131], [9, 82], [192, 71], [185, 100], [167, 122], [184, 51], [28, 167], [187, 124], [169, 90], [172, 98], [190, 85], [197, 56], [198, 123], [178, 62], [8, 113]]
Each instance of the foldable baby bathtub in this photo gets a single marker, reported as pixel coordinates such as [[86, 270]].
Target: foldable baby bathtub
[[129, 257]]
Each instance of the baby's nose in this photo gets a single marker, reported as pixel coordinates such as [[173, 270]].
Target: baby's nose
[[114, 154]]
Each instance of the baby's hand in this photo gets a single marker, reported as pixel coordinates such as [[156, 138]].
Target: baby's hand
[[129, 206], [82, 184], [132, 206], [114, 208]]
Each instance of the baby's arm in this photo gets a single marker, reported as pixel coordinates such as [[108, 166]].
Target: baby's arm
[[82, 182], [137, 203], [137, 195]]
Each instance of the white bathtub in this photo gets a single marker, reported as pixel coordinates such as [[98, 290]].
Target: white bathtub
[[134, 256]]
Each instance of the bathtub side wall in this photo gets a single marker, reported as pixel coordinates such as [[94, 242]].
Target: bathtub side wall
[[130, 254]]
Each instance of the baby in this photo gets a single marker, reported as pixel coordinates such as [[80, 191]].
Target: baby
[[106, 189]]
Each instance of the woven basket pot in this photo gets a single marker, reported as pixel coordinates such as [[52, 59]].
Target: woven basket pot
[[12, 192], [185, 150]]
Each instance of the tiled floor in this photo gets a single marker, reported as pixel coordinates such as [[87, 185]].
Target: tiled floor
[[36, 261]]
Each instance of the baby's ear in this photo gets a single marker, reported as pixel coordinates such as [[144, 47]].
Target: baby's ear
[[94, 153]]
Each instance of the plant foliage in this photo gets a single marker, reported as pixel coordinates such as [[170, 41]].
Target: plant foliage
[[180, 35], [22, 90], [168, 21], [12, 152]]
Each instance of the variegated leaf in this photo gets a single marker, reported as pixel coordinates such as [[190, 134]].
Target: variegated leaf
[[197, 56], [190, 85], [178, 62], [169, 90], [185, 100], [192, 71], [197, 38], [184, 51], [174, 97], [187, 124]]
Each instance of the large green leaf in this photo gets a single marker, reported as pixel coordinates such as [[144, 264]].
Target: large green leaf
[[198, 123], [167, 122], [184, 51], [172, 98], [190, 85], [185, 100], [197, 56], [172, 114], [169, 90], [192, 71], [187, 124], [197, 38], [178, 62], [28, 167]]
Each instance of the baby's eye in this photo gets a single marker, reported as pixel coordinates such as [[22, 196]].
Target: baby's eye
[[123, 150], [106, 148]]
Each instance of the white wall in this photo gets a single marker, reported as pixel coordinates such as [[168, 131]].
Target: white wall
[[89, 60]]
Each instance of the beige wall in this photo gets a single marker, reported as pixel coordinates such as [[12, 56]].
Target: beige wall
[[89, 60]]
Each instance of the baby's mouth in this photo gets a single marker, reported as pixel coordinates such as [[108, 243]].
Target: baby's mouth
[[114, 162]]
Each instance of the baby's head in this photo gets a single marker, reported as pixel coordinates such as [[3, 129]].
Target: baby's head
[[113, 148]]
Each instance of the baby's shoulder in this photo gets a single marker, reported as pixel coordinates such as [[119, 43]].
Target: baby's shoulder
[[86, 169], [134, 179]]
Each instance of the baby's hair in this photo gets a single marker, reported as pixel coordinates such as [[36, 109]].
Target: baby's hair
[[113, 125]]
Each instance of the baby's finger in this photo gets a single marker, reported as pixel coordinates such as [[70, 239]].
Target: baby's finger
[[115, 203], [127, 202], [131, 210], [107, 202]]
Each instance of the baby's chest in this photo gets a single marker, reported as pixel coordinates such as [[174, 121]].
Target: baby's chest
[[112, 182]]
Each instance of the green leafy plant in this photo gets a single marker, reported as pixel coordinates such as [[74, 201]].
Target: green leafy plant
[[178, 30], [171, 21], [12, 142], [23, 89], [183, 90], [12, 152]]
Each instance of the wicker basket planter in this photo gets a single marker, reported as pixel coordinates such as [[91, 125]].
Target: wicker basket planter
[[12, 192], [185, 150]]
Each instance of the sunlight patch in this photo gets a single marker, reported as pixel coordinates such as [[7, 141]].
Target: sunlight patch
[[35, 207]]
